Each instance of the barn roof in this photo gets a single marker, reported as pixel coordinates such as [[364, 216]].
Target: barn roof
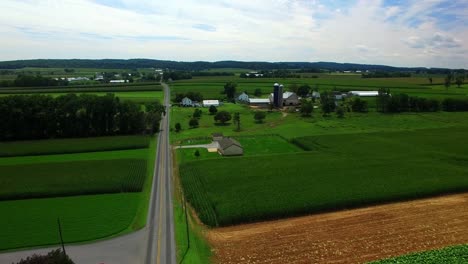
[[227, 142]]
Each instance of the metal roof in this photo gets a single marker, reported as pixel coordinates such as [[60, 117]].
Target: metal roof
[[259, 100]]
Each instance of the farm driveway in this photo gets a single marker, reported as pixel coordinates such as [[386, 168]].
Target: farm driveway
[[351, 236], [212, 145]]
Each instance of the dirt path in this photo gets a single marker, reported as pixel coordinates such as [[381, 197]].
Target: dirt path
[[352, 236]]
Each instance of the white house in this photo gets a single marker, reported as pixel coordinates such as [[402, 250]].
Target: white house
[[208, 103], [243, 98], [186, 102], [364, 93]]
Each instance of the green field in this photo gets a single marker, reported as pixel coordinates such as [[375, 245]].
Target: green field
[[33, 222], [127, 173], [71, 178], [448, 255], [342, 171], [63, 146]]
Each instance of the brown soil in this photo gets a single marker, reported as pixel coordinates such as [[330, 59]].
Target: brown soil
[[351, 236]]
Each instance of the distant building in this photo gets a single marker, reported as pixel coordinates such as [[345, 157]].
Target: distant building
[[208, 103], [230, 147], [364, 93], [243, 98], [186, 102], [76, 79], [118, 81], [315, 95]]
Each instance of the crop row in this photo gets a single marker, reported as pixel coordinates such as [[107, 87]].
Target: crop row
[[448, 255], [196, 194], [72, 178]]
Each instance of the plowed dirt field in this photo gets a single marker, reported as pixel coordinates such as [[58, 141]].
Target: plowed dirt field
[[351, 236]]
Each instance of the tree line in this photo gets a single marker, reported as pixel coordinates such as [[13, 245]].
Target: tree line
[[382, 74], [39, 116], [24, 80]]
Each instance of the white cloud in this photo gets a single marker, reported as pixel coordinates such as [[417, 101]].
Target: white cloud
[[273, 30]]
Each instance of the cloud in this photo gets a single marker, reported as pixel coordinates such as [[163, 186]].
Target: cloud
[[431, 33]]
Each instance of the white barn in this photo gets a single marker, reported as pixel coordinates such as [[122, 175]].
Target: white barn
[[208, 103], [259, 101], [364, 93]]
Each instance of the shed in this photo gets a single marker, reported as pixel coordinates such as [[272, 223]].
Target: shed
[[186, 102], [364, 93], [230, 147], [243, 97], [208, 103]]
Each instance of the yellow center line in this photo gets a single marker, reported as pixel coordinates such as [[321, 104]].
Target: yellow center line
[[161, 196]]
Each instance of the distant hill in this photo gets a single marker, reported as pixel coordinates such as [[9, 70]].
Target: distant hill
[[201, 65]]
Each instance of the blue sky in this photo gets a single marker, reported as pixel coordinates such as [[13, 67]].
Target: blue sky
[[430, 33]]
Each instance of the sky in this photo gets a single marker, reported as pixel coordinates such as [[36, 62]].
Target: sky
[[422, 33]]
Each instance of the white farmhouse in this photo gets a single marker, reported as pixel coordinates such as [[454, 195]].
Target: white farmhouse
[[243, 98], [186, 102]]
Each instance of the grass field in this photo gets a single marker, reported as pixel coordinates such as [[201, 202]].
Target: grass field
[[33, 222], [342, 171], [63, 146], [449, 255]]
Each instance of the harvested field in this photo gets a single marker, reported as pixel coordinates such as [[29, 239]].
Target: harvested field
[[351, 236]]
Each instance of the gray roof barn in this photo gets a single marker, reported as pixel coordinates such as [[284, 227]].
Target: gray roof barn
[[230, 147]]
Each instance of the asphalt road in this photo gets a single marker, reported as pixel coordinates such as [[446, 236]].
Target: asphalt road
[[153, 244]]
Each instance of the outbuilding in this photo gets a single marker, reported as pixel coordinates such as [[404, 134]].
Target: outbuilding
[[208, 103], [259, 101], [364, 93], [230, 147]]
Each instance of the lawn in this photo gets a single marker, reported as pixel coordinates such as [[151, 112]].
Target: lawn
[[33, 222], [63, 146], [448, 255], [340, 172]]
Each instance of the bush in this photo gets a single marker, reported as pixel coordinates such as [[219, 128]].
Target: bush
[[193, 123], [53, 257]]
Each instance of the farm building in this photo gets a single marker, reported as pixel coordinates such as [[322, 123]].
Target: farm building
[[118, 81], [208, 103], [289, 98], [259, 101], [364, 93], [243, 98], [315, 94], [230, 147], [186, 102]]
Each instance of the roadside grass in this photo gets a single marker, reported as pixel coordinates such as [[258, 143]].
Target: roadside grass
[[103, 88], [343, 172], [71, 178], [33, 222], [77, 145], [448, 255]]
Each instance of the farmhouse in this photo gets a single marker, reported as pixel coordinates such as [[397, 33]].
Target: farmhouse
[[230, 147], [259, 101], [208, 103], [364, 93], [243, 98], [186, 102]]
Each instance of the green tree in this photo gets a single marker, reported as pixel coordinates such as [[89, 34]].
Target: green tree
[[197, 113], [459, 80], [178, 127], [303, 90], [237, 120], [340, 112], [306, 107], [53, 257], [222, 117], [193, 123], [258, 92], [430, 80], [327, 102], [259, 116], [359, 105], [230, 90], [448, 81], [293, 88], [197, 153], [213, 110]]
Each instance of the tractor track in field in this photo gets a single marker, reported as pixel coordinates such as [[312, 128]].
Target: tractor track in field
[[350, 236]]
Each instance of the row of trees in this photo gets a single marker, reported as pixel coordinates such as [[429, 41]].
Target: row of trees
[[71, 115], [23, 80], [383, 74], [194, 96]]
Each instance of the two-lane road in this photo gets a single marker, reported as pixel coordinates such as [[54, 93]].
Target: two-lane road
[[161, 243], [153, 244]]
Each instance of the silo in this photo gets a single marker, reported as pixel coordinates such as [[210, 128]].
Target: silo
[[277, 95]]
